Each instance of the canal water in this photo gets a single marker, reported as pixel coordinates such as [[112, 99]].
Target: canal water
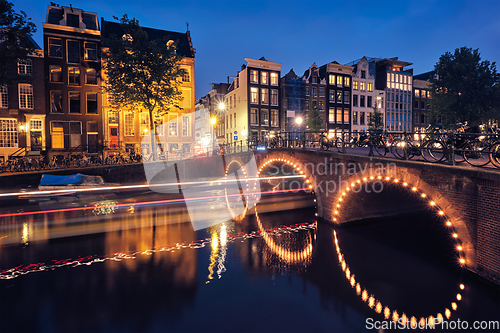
[[119, 268]]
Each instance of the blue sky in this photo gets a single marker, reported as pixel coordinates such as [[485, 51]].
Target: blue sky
[[298, 33]]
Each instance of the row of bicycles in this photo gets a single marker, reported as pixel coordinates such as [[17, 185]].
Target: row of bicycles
[[476, 149], [80, 160]]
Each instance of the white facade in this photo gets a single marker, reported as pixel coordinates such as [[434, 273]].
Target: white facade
[[364, 96]]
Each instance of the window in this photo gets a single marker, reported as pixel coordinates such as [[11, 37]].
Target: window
[[90, 51], [321, 92], [339, 96], [363, 74], [24, 66], [347, 82], [8, 133], [369, 102], [355, 85], [331, 79], [91, 77], [362, 85], [186, 77], [416, 104], [72, 20], [73, 49], [362, 118], [186, 125], [314, 79], [355, 118], [36, 124], [332, 96], [314, 91], [55, 74], [230, 104], [253, 117], [74, 102], [370, 86], [274, 79], [346, 116], [274, 118], [417, 93], [422, 105], [274, 97], [428, 94], [172, 126], [55, 48], [74, 76], [338, 117], [254, 76], [354, 100], [3, 97], [321, 105], [234, 117], [264, 117], [339, 80], [254, 95], [129, 123], [75, 133], [331, 116], [144, 122], [92, 103], [25, 96], [264, 96], [230, 120], [362, 101], [346, 97], [56, 101], [264, 78]]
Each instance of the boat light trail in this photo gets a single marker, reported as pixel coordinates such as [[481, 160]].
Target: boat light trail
[[145, 186]]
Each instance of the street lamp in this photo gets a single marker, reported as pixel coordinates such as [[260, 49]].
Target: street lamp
[[298, 120]]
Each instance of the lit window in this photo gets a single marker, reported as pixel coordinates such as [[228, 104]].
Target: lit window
[[8, 133], [254, 95], [55, 74], [338, 117], [331, 79], [253, 117], [417, 93], [274, 79], [355, 85], [362, 85], [186, 125], [129, 123], [92, 103], [55, 48], [91, 77], [339, 80], [90, 51], [339, 96], [264, 117], [264, 78], [3, 97], [274, 118], [254, 76], [264, 96], [347, 81], [172, 126], [355, 118], [36, 124], [24, 66], [74, 102], [346, 116], [74, 75], [332, 96], [186, 77], [331, 116], [370, 86], [25, 96]]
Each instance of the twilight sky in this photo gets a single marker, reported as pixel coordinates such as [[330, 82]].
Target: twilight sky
[[298, 33]]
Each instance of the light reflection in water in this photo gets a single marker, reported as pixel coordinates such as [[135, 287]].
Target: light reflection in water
[[376, 305]]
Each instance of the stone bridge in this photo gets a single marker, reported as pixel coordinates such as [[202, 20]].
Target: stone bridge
[[466, 200]]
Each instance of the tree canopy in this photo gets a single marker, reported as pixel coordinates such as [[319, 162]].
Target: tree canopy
[[376, 121], [141, 72], [314, 121], [15, 39], [465, 88]]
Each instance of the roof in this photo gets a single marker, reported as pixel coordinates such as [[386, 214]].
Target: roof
[[424, 76], [184, 44]]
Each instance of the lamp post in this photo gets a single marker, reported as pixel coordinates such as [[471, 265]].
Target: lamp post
[[298, 121]]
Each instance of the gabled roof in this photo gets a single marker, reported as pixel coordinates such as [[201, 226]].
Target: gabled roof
[[184, 45]]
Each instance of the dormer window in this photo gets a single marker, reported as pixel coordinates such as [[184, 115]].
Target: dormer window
[[72, 20]]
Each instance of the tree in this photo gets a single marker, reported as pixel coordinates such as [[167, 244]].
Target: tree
[[376, 121], [465, 88], [314, 121], [142, 73], [15, 39]]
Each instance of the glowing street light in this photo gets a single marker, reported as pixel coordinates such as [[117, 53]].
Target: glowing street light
[[213, 121], [298, 120], [222, 106]]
